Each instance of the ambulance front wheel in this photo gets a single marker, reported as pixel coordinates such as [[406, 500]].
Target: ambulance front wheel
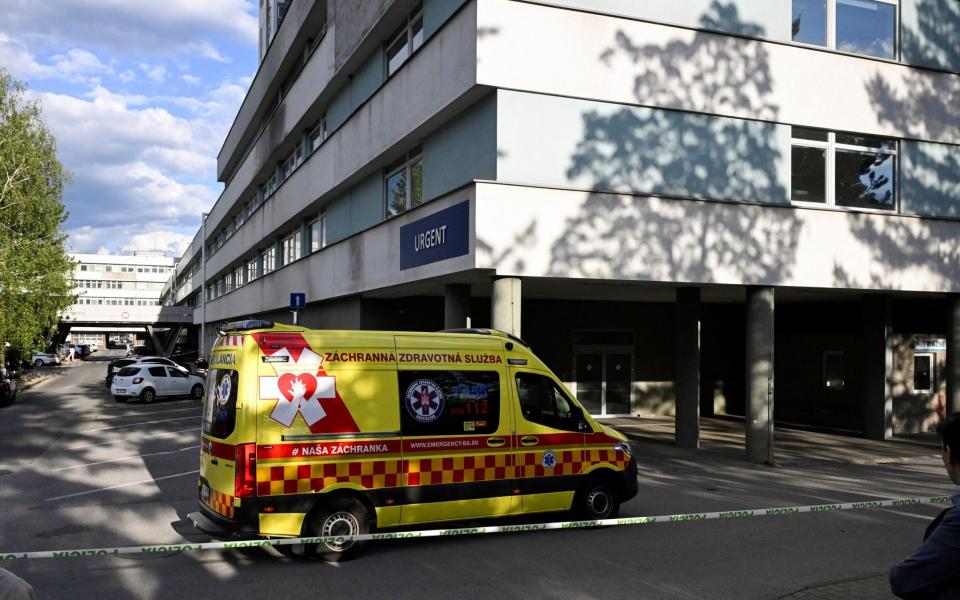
[[596, 499], [340, 517]]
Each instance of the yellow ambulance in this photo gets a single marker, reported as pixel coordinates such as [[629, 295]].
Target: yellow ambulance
[[331, 433]]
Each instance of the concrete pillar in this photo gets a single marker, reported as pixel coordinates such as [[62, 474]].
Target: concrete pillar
[[687, 367], [953, 353], [505, 305], [456, 306], [759, 380], [877, 368]]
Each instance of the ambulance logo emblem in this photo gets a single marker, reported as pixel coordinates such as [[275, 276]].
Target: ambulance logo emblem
[[549, 460], [223, 390], [424, 400]]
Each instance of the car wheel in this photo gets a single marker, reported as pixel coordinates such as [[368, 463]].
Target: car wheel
[[38, 363], [148, 395], [197, 392], [340, 516], [120, 398], [596, 500]]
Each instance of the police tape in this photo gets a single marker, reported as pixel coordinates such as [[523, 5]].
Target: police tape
[[431, 533]]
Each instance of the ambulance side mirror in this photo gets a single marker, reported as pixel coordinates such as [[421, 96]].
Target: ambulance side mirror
[[582, 424]]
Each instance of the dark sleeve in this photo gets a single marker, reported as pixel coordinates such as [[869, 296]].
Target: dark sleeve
[[936, 561]]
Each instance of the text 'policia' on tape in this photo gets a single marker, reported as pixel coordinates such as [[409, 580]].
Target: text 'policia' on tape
[[726, 514]]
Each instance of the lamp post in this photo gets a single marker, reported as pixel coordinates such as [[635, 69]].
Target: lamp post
[[203, 283]]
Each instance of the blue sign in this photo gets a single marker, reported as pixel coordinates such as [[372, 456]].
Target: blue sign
[[298, 300], [442, 235]]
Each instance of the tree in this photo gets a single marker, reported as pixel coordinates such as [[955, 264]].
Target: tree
[[35, 270]]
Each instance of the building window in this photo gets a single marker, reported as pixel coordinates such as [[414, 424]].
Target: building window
[[290, 247], [318, 233], [319, 133], [404, 184], [405, 42], [268, 259], [251, 270], [923, 372], [843, 169], [857, 26], [238, 277]]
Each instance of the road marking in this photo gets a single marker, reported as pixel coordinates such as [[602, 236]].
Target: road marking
[[139, 438], [103, 462], [140, 423], [120, 485], [159, 412]]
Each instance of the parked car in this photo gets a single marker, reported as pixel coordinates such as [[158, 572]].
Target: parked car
[[140, 351], [93, 346], [38, 359], [83, 351], [149, 381], [116, 365]]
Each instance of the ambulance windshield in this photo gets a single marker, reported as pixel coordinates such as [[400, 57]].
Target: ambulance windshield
[[220, 403]]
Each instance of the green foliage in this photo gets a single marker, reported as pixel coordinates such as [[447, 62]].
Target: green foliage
[[35, 271]]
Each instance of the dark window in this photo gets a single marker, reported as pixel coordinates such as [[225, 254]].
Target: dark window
[[220, 403], [922, 373], [449, 402], [865, 179], [128, 371], [176, 372], [157, 371], [809, 22], [834, 370], [809, 175], [543, 402]]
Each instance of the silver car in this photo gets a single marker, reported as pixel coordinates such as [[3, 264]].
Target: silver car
[[149, 381]]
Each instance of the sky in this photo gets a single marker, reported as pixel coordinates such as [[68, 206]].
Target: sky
[[140, 95]]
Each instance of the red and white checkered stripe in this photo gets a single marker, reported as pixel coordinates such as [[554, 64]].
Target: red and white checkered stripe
[[230, 341]]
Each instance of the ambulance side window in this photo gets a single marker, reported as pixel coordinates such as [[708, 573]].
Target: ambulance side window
[[544, 403], [220, 403], [449, 402]]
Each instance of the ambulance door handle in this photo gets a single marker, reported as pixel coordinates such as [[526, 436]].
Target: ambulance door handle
[[529, 440], [213, 461], [496, 441]]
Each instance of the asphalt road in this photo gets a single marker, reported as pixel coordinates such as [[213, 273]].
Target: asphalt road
[[78, 470]]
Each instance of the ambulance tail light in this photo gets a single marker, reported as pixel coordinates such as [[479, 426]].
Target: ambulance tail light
[[245, 482], [137, 380]]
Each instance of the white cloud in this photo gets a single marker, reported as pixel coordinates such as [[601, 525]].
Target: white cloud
[[156, 73], [89, 240], [170, 243], [75, 65], [191, 79], [149, 28]]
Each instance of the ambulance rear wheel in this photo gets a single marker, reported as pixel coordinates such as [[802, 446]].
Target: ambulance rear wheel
[[596, 500], [340, 517]]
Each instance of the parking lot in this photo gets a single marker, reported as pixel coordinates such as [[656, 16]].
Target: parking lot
[[79, 470]]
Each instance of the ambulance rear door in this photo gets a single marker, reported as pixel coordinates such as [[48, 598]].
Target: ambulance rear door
[[223, 431]]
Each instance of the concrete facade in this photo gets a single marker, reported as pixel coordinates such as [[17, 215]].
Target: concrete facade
[[575, 166]]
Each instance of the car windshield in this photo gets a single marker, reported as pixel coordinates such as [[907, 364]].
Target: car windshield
[[128, 371]]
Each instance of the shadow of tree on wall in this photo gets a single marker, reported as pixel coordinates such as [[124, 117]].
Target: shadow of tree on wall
[[934, 171], [670, 153]]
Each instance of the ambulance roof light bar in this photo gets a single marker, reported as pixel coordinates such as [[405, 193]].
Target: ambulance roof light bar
[[485, 331], [244, 325]]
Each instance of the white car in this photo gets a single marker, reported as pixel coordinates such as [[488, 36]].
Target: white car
[[93, 346], [44, 358], [149, 381]]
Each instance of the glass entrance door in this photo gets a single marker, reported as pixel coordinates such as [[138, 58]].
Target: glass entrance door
[[604, 380]]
